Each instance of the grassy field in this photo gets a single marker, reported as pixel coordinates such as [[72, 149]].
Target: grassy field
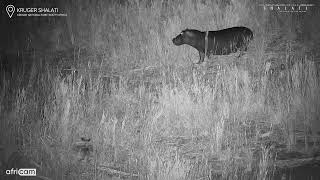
[[109, 72]]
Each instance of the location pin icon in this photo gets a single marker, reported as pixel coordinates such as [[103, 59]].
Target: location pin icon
[[10, 10]]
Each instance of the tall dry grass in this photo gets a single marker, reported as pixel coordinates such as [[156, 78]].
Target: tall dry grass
[[176, 122]]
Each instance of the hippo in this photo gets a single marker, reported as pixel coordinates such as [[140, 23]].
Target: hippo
[[222, 42]]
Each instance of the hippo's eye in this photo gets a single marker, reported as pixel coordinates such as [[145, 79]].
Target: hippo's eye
[[181, 33]]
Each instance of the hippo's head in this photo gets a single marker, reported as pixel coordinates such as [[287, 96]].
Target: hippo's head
[[185, 37]]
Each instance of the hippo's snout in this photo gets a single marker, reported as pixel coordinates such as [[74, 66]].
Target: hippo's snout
[[177, 41], [174, 40]]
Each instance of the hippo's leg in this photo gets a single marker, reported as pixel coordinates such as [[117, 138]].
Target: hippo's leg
[[242, 50], [201, 54]]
